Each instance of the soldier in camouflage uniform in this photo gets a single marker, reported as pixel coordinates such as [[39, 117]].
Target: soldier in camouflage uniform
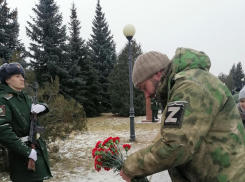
[[203, 137], [15, 110]]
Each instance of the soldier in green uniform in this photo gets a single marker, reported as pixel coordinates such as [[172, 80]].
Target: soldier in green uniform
[[15, 110], [203, 137], [236, 95], [154, 108]]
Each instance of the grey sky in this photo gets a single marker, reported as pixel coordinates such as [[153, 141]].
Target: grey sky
[[215, 27]]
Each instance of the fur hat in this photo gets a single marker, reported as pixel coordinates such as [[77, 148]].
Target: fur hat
[[242, 94], [237, 89], [148, 64], [7, 70]]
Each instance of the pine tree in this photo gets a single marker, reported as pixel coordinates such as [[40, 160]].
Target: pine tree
[[230, 82], [103, 54], [238, 75], [92, 103], [48, 50], [227, 80], [9, 33], [86, 93], [233, 70], [119, 84], [74, 82]]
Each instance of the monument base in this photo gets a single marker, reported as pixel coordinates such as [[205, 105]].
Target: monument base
[[150, 121]]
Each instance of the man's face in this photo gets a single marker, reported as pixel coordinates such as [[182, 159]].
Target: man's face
[[149, 87], [16, 82], [242, 103]]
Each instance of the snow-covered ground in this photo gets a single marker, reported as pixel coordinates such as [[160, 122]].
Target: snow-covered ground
[[74, 162]]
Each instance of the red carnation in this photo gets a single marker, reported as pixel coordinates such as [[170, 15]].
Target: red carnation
[[110, 140], [98, 144], [98, 158], [116, 140], [107, 168], [105, 142], [108, 155], [126, 147], [97, 166], [93, 152]]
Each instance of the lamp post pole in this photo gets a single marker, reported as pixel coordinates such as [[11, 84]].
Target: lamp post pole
[[242, 81], [129, 32]]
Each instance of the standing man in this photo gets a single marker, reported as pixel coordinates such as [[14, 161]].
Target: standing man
[[154, 109], [202, 133], [15, 110]]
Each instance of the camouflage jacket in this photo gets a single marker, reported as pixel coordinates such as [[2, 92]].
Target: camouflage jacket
[[202, 133]]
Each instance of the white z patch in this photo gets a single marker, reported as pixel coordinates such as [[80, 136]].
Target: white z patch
[[175, 113], [170, 117]]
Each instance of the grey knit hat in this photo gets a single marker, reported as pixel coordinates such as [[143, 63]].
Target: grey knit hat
[[148, 64], [242, 94]]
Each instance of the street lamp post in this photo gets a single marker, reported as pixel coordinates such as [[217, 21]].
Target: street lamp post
[[129, 32], [242, 81]]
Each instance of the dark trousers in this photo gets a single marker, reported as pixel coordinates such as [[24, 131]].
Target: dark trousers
[[154, 115]]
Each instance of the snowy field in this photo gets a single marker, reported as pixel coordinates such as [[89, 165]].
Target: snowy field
[[74, 162]]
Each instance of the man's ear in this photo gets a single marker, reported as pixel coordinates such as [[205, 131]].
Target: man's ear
[[158, 75]]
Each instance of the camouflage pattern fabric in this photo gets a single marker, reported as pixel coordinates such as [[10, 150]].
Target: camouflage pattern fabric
[[203, 137]]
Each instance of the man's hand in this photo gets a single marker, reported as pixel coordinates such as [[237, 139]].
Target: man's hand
[[33, 155], [37, 108], [124, 176]]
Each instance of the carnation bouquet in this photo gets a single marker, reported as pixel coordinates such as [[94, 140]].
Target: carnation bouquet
[[108, 156]]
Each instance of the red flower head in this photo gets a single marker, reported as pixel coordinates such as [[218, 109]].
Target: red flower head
[[116, 140], [107, 168], [98, 144], [97, 166], [107, 142], [126, 147], [99, 151], [98, 158], [93, 152], [104, 142]]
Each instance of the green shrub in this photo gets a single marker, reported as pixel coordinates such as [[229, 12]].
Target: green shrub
[[64, 116]]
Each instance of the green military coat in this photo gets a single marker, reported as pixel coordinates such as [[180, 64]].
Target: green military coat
[[154, 105], [236, 97], [203, 137], [15, 110]]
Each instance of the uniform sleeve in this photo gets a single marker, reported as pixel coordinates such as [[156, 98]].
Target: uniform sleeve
[[8, 138], [182, 139]]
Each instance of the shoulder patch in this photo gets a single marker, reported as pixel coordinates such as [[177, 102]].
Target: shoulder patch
[[8, 96], [2, 110], [175, 114]]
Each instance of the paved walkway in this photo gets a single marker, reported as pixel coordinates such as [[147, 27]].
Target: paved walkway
[[160, 177]]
